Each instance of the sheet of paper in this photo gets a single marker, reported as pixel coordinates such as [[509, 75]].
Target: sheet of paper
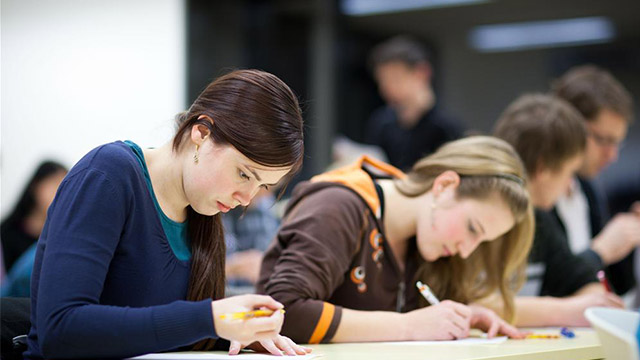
[[216, 356], [468, 341]]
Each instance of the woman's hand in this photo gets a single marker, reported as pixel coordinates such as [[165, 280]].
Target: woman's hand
[[274, 346], [261, 332], [249, 330], [445, 321], [489, 322]]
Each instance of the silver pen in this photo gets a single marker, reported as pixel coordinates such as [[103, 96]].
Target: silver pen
[[427, 293]]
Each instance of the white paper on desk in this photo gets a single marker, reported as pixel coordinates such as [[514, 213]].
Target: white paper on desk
[[215, 356], [468, 341]]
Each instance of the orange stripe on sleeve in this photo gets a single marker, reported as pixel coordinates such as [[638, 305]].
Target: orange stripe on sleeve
[[323, 324]]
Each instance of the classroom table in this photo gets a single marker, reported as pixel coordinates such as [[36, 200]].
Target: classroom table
[[585, 346]]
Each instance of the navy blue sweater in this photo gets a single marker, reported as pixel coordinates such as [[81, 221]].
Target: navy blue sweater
[[105, 281]]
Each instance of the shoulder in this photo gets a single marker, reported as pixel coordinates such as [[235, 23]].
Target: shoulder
[[329, 203], [112, 166], [327, 195], [116, 161], [382, 116], [548, 229], [437, 114], [112, 157], [590, 191], [544, 219], [439, 118]]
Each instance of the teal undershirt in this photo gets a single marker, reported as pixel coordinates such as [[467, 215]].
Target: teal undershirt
[[176, 232]]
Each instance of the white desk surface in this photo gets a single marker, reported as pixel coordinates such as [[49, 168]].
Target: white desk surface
[[585, 346]]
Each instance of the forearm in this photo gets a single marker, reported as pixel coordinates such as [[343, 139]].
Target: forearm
[[370, 326], [105, 331], [591, 288], [534, 311]]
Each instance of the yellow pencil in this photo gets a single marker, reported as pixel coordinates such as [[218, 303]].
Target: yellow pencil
[[248, 314]]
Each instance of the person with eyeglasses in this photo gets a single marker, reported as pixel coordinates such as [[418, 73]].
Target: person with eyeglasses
[[551, 138], [607, 109]]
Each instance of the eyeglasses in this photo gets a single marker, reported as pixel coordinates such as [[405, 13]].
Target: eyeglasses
[[604, 141]]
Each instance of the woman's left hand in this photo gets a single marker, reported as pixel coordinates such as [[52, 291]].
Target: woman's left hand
[[489, 322], [275, 346]]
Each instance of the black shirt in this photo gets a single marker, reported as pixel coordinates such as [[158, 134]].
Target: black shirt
[[620, 274], [405, 146], [553, 269]]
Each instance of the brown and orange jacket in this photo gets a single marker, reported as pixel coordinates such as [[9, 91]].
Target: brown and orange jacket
[[331, 253]]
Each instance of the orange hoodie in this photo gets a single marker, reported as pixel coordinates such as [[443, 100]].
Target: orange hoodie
[[330, 253]]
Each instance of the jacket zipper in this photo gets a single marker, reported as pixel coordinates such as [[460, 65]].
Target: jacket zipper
[[400, 298]]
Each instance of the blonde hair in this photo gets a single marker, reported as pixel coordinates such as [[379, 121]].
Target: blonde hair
[[486, 166]]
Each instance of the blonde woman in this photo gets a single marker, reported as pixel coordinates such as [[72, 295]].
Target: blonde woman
[[355, 240]]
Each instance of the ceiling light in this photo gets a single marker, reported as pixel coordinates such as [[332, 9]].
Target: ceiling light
[[373, 7], [541, 34]]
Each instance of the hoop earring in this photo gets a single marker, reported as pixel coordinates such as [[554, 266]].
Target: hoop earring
[[196, 157]]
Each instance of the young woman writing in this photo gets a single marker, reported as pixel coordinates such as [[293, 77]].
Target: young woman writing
[[131, 258], [354, 242]]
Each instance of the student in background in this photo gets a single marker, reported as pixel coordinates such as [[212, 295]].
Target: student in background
[[131, 258], [22, 227], [624, 196], [354, 241], [550, 137], [411, 125], [248, 233], [18, 281], [607, 109], [3, 272]]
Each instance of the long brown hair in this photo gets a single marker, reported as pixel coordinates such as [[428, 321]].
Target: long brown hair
[[256, 113], [486, 166]]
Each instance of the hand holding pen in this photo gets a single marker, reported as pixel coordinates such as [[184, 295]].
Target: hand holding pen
[[426, 292], [479, 316], [247, 319], [244, 315]]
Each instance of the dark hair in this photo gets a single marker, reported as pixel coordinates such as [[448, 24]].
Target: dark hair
[[259, 115], [402, 48], [591, 89], [27, 200], [543, 129]]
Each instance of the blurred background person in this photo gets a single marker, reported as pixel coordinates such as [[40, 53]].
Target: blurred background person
[[550, 137], [21, 228], [607, 108], [2, 268], [410, 125], [248, 233]]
